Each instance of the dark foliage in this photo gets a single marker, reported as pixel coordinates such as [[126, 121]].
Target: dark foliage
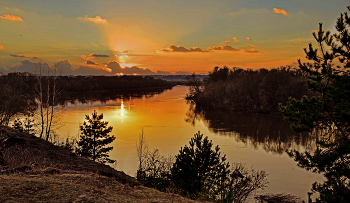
[[240, 183], [277, 198], [198, 167], [257, 91], [327, 113], [155, 171], [16, 96], [108, 83], [201, 172], [94, 137]]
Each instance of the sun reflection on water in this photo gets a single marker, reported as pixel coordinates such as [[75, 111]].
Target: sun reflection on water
[[122, 108]]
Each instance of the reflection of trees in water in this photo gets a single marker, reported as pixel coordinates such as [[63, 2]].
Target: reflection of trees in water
[[258, 130], [110, 95]]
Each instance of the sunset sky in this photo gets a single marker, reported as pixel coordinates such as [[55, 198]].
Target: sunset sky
[[105, 37]]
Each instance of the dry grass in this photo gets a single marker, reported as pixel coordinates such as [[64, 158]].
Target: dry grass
[[83, 187], [61, 176], [18, 152]]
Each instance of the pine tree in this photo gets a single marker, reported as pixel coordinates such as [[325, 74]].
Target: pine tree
[[327, 113], [94, 137], [198, 168]]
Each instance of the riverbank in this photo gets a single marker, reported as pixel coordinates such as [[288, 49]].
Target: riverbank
[[32, 170]]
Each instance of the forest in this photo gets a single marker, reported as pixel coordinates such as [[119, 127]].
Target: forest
[[255, 91]]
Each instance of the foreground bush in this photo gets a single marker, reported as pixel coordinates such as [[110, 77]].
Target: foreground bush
[[199, 172], [199, 168]]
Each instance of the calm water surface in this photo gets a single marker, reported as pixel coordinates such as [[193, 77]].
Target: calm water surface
[[168, 123]]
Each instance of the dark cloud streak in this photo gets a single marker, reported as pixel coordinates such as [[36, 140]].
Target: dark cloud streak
[[99, 55], [181, 49], [16, 55]]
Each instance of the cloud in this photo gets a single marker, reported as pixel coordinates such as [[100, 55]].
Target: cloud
[[115, 68], [173, 48], [252, 45], [223, 48], [98, 55], [16, 55], [96, 19], [299, 42], [163, 73], [28, 66], [235, 39], [281, 11], [28, 57], [63, 67], [1, 47], [88, 70], [91, 56], [11, 17], [251, 51], [89, 62], [248, 38], [33, 58], [228, 41], [136, 70]]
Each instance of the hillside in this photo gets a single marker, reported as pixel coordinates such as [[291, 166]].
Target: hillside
[[34, 170]]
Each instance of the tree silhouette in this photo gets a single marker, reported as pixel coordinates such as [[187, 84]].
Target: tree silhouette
[[327, 113], [198, 167], [94, 137], [200, 171]]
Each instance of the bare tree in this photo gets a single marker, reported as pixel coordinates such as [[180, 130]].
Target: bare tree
[[241, 183], [142, 152], [195, 86], [46, 91]]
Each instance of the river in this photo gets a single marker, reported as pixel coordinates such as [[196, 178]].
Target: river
[[168, 123]]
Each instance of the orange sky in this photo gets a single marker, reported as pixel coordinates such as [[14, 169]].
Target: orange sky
[[87, 37]]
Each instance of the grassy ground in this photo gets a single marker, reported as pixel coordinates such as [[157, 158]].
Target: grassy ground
[[34, 170], [82, 187]]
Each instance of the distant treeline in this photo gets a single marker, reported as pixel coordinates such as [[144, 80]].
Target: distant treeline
[[257, 91], [20, 91], [82, 84], [109, 83]]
